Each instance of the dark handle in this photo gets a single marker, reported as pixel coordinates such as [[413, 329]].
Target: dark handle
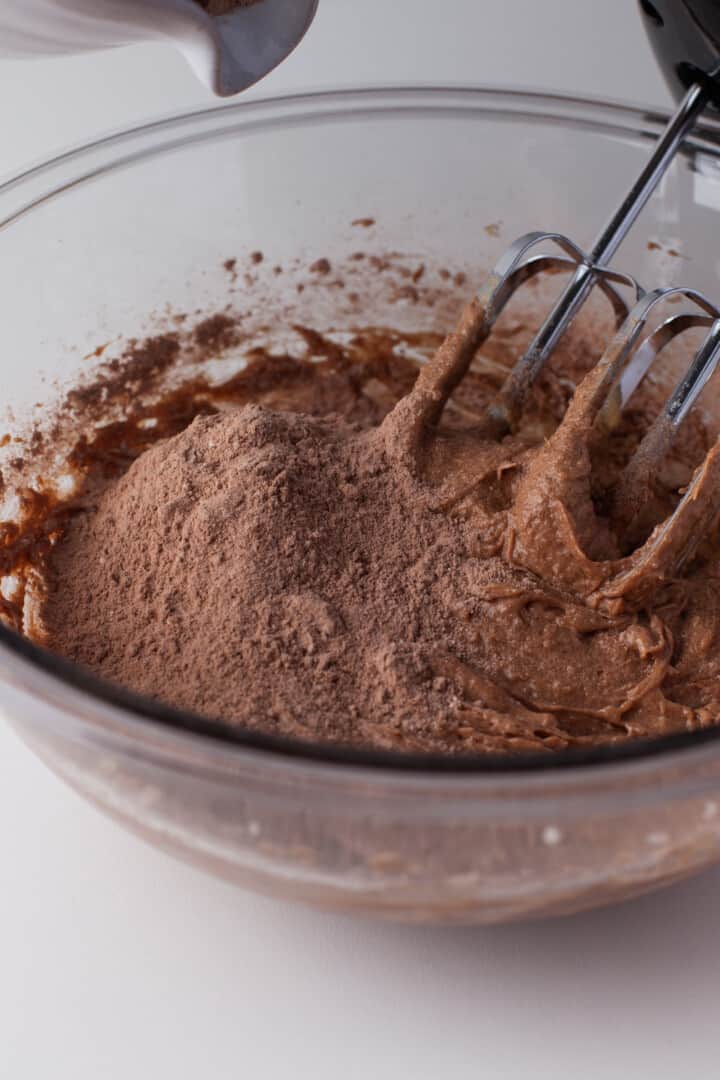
[[685, 35]]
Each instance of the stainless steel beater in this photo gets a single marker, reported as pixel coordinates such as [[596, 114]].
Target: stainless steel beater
[[686, 37]]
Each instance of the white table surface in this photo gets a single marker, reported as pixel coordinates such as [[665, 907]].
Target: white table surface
[[117, 962]]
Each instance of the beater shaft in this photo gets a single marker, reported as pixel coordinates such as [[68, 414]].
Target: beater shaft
[[529, 366]]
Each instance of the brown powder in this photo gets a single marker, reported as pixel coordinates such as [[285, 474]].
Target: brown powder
[[271, 569], [217, 332]]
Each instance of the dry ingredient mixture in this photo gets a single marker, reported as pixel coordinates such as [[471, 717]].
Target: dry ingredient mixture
[[336, 547]]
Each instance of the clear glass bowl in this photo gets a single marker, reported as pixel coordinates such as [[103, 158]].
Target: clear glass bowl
[[95, 239]]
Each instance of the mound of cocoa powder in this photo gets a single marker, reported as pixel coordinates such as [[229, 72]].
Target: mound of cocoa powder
[[272, 569]]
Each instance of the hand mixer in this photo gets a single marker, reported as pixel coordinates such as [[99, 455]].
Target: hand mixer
[[686, 37]]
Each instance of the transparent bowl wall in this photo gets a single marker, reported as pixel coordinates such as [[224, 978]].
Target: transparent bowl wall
[[95, 241]]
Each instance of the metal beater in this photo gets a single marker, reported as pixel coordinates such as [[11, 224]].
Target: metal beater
[[686, 37]]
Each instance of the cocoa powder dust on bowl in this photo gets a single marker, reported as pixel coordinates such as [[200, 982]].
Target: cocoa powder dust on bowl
[[405, 578]]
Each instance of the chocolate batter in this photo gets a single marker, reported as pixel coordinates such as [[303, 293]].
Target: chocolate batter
[[343, 555]]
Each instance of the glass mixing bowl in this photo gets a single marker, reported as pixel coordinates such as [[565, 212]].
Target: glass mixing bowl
[[94, 240]]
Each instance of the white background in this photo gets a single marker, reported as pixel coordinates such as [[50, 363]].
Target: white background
[[115, 961]]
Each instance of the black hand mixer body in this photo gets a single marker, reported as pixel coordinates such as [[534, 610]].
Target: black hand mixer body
[[685, 35]]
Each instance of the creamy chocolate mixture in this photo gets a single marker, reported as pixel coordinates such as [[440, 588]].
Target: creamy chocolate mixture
[[338, 548]]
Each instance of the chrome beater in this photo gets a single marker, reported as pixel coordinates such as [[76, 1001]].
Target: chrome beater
[[634, 347]]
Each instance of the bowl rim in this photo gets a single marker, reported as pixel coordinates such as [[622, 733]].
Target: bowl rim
[[161, 135]]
